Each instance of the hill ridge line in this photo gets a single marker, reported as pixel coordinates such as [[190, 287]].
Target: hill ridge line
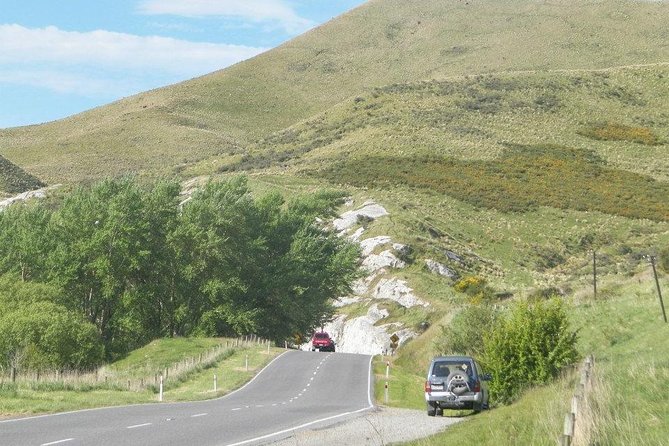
[[549, 71]]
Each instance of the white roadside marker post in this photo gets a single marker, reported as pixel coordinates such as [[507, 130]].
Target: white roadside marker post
[[387, 369], [160, 396], [247, 363], [215, 383], [386, 393]]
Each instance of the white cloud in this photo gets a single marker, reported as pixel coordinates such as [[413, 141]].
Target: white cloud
[[26, 45], [259, 11], [95, 61]]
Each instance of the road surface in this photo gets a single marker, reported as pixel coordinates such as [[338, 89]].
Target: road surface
[[298, 390]]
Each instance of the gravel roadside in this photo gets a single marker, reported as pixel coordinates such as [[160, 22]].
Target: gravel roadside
[[381, 426]]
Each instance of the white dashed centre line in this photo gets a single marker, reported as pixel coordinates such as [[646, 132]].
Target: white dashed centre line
[[236, 408], [199, 415], [139, 425], [57, 442]]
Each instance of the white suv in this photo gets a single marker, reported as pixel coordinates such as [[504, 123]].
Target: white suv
[[455, 382]]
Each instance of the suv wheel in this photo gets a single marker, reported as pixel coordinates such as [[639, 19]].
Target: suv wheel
[[431, 409]]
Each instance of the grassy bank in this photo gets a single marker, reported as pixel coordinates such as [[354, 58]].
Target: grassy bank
[[29, 395], [628, 400]]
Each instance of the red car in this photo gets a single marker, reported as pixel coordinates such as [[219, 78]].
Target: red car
[[321, 341]]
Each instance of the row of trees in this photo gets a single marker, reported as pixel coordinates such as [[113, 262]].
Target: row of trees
[[135, 264]]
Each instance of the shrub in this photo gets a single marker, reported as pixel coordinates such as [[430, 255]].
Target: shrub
[[464, 335], [528, 347], [475, 287], [611, 131], [521, 179], [44, 335]]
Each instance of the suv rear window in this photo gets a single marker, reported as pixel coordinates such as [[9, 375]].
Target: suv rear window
[[445, 368], [321, 336]]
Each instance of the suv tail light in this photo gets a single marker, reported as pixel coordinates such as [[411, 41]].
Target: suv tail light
[[428, 387], [477, 386]]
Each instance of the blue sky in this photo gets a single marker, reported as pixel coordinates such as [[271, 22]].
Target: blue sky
[[58, 58]]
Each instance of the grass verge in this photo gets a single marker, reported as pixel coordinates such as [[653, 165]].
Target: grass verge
[[26, 398]]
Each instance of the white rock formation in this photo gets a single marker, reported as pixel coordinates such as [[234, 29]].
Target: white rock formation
[[357, 234], [346, 300], [350, 218], [360, 335], [440, 269], [370, 244], [375, 262], [37, 193], [397, 290]]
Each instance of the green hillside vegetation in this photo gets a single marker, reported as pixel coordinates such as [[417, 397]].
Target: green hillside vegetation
[[521, 179], [507, 140], [480, 117], [209, 120]]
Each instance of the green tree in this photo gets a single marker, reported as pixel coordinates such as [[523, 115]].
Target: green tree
[[25, 240], [217, 252], [528, 347], [38, 333], [259, 264], [110, 257], [49, 336], [465, 333]]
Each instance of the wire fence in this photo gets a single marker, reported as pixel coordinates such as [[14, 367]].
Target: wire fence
[[578, 404], [136, 379]]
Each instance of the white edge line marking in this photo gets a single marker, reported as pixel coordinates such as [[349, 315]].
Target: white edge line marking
[[139, 425], [199, 415], [264, 437], [14, 420], [236, 408], [301, 426], [57, 442]]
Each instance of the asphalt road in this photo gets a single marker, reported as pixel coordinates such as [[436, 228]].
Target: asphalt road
[[298, 390]]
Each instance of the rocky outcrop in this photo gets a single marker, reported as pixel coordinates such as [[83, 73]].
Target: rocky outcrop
[[397, 290], [386, 259], [369, 210], [441, 269], [25, 196], [367, 334]]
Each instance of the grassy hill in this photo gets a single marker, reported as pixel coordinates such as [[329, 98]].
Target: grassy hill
[[517, 135], [383, 42], [528, 171]]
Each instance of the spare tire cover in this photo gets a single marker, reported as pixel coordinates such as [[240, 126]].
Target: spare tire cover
[[458, 382]]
